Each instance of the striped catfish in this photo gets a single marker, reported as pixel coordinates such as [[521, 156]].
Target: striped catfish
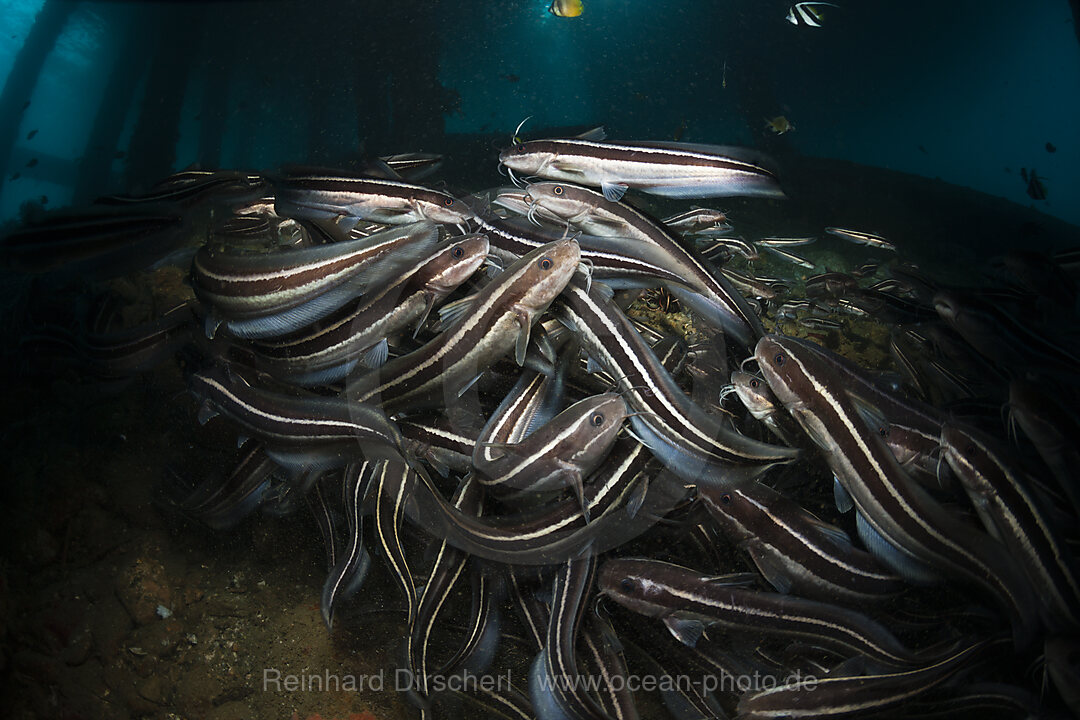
[[413, 166], [483, 630], [677, 170], [507, 703], [118, 355], [222, 503], [554, 684], [442, 444], [327, 510], [861, 238], [101, 242], [446, 570], [394, 202], [1051, 427], [900, 522], [603, 658], [610, 261], [532, 402], [559, 454], [498, 318], [623, 498], [392, 482], [919, 453], [643, 237], [1006, 339], [351, 568], [1013, 513], [687, 601], [298, 430], [865, 694], [192, 187], [684, 701], [866, 390], [977, 699], [525, 585], [262, 295], [691, 443], [696, 219], [789, 256], [357, 332], [794, 550], [762, 404]]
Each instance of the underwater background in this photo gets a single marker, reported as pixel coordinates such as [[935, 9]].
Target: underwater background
[[121, 93], [950, 128]]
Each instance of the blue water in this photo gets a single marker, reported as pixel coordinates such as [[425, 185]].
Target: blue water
[[969, 92]]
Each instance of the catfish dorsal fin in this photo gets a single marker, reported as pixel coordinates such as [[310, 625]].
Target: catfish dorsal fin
[[595, 135]]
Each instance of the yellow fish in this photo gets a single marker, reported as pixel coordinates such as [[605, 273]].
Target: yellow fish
[[779, 125], [566, 8]]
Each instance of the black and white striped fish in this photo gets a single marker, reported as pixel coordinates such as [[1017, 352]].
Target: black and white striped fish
[[808, 14]]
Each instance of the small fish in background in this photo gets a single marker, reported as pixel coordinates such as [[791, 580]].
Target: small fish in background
[[809, 14], [510, 77], [779, 125], [923, 150], [119, 155], [32, 162], [723, 77], [1050, 147], [30, 135], [1035, 188], [566, 8]]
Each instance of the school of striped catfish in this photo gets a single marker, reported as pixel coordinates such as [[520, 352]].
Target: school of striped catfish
[[475, 390]]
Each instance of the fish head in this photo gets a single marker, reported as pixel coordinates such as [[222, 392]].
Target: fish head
[[600, 418], [455, 263], [728, 508], [447, 209], [526, 158], [953, 439], [754, 393], [545, 271], [971, 457], [786, 365], [513, 199], [562, 200], [632, 583]]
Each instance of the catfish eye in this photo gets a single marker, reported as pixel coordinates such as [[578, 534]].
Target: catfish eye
[[778, 359], [557, 190], [725, 499], [597, 419], [545, 263], [458, 252], [754, 383], [448, 202], [883, 431], [519, 147], [627, 585]]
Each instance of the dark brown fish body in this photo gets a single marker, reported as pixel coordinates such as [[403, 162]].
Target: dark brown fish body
[[499, 317], [899, 521]]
